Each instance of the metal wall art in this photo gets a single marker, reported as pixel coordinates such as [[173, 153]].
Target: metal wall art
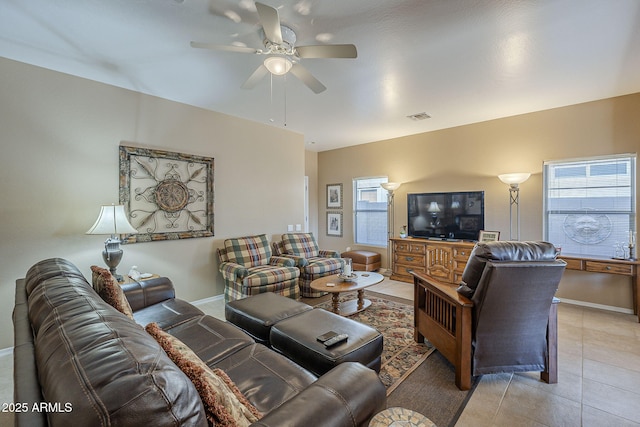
[[168, 196]]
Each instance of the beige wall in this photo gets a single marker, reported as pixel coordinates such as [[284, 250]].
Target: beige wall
[[60, 138], [470, 158]]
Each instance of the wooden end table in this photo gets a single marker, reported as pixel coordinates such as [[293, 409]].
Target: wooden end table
[[363, 280]]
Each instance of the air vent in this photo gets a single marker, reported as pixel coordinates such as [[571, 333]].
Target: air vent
[[419, 116]]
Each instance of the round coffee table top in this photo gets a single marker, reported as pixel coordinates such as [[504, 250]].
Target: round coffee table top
[[363, 280], [400, 417]]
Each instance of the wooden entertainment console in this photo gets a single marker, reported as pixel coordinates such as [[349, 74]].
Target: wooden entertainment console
[[445, 260], [441, 259]]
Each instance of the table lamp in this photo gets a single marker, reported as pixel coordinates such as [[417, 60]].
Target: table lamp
[[112, 220]]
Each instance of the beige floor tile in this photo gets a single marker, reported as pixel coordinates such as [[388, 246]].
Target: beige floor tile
[[510, 419], [483, 406], [569, 362], [611, 340], [612, 400], [539, 405], [615, 376], [611, 356], [592, 417], [568, 316], [395, 288], [569, 386]]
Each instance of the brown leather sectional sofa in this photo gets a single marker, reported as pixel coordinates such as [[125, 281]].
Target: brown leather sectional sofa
[[77, 361]]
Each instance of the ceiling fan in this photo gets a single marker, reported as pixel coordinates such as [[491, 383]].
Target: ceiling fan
[[282, 54]]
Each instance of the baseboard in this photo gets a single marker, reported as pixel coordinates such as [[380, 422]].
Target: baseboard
[[208, 300], [6, 351], [598, 306]]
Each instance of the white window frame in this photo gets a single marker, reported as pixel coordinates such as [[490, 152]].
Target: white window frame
[[382, 197], [584, 226]]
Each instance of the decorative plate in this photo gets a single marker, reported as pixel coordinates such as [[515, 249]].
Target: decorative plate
[[348, 278]]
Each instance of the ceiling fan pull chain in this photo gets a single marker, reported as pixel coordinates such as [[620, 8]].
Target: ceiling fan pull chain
[[285, 100], [271, 89]]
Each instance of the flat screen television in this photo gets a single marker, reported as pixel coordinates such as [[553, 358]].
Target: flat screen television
[[444, 216]]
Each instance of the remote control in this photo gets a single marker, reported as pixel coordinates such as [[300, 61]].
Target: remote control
[[336, 340], [326, 336]]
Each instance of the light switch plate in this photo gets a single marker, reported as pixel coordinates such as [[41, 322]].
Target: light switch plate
[[290, 227]]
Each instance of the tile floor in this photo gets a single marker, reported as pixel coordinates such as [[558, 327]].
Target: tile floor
[[599, 374]]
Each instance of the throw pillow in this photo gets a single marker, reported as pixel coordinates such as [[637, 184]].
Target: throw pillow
[[300, 244], [224, 404], [108, 288]]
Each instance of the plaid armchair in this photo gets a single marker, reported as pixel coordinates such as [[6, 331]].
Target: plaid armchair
[[248, 268], [312, 262]]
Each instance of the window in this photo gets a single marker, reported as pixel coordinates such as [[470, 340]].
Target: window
[[370, 211], [589, 204]]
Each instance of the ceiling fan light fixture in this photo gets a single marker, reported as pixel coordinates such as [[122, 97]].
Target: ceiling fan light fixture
[[278, 65]]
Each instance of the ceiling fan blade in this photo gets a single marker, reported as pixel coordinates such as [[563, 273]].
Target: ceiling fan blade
[[327, 51], [307, 78], [270, 22], [225, 48], [255, 78]]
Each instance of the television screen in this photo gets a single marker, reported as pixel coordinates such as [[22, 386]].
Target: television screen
[[453, 215]]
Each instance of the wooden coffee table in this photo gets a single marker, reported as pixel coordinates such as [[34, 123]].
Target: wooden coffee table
[[363, 280]]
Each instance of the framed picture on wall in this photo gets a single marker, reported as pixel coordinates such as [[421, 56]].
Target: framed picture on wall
[[334, 224], [334, 196], [488, 236]]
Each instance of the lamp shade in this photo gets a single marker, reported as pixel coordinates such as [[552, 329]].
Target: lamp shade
[[391, 186], [278, 65], [514, 178], [433, 207], [112, 220]]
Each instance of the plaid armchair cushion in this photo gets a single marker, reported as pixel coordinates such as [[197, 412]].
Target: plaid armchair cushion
[[250, 251], [300, 244]]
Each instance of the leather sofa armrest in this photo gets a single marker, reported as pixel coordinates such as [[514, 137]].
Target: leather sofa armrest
[[148, 292], [348, 395]]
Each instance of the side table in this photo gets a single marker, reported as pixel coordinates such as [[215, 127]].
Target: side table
[[400, 417]]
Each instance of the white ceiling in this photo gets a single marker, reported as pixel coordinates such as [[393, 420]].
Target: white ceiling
[[460, 61]]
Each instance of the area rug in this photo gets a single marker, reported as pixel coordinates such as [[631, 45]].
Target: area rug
[[394, 320]]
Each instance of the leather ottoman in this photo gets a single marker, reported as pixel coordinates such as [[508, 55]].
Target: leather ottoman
[[296, 336], [363, 260], [257, 314]]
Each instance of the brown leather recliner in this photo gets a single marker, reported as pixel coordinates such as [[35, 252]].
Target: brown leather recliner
[[502, 317]]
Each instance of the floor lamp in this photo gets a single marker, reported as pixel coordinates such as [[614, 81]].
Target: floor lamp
[[514, 180], [390, 187]]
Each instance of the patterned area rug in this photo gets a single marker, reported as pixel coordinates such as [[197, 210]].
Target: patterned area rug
[[394, 320]]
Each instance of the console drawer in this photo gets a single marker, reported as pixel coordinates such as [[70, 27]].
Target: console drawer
[[409, 248], [608, 267], [461, 254], [405, 270], [573, 264], [412, 260]]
